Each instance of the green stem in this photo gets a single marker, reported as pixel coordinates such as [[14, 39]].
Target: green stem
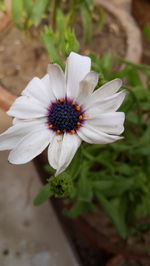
[[54, 5], [137, 66], [72, 12]]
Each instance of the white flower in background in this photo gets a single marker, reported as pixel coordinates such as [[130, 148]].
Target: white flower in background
[[60, 110]]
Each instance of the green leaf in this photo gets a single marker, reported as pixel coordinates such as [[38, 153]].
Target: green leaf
[[136, 66], [28, 4], [78, 208], [147, 32], [75, 166], [101, 20], [103, 185], [49, 40], [39, 9], [43, 195], [85, 189], [17, 12], [60, 25], [116, 211], [87, 23], [106, 64], [49, 169], [133, 77], [90, 4], [71, 42]]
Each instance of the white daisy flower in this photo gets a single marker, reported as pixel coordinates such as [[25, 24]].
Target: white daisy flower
[[60, 110]]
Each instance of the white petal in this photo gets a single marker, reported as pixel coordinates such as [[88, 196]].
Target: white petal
[[30, 146], [108, 88], [92, 134], [70, 144], [111, 123], [87, 85], [54, 151], [27, 108], [17, 121], [47, 84], [109, 104], [37, 90], [77, 67], [57, 80], [11, 137]]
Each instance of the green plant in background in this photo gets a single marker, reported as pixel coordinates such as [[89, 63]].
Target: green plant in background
[[56, 22], [57, 44]]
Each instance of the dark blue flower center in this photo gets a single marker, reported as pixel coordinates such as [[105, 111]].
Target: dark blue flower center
[[65, 116]]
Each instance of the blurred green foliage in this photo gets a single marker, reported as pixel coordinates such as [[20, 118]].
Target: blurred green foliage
[[56, 22], [57, 44]]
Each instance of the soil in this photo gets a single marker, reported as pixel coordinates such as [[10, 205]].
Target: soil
[[135, 246], [131, 263], [97, 246], [89, 254], [22, 58]]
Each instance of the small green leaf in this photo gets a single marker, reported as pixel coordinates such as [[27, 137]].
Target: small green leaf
[[28, 5], [75, 165], [106, 64], [78, 208], [147, 32], [39, 9], [71, 42], [103, 185], [101, 20], [49, 40], [60, 24], [85, 189], [116, 211], [17, 12], [87, 23], [43, 195]]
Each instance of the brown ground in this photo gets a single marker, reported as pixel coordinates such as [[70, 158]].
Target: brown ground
[[21, 59], [136, 246], [132, 263]]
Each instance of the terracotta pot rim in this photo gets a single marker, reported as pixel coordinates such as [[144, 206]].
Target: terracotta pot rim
[[131, 29]]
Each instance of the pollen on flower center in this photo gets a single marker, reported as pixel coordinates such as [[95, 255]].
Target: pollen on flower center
[[65, 116]]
